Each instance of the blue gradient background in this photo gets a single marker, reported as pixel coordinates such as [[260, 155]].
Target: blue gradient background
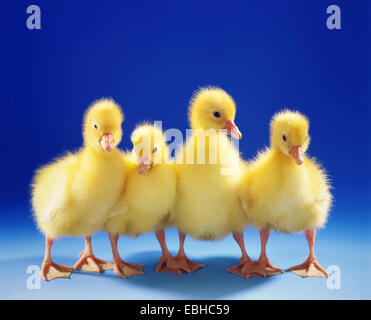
[[150, 56]]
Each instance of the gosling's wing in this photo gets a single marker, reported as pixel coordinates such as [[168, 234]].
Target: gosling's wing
[[51, 188]]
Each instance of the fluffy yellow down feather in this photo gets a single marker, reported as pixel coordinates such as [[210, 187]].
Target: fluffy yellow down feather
[[147, 199], [280, 194], [73, 195], [207, 205]]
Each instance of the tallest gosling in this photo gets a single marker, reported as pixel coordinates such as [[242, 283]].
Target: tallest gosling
[[209, 169]]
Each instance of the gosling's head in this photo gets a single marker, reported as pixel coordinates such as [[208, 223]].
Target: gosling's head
[[213, 108], [289, 134], [149, 147], [102, 125]]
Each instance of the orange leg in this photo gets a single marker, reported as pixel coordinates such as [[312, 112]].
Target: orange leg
[[261, 267], [244, 260], [49, 269], [310, 267], [166, 256], [88, 262], [121, 268], [180, 261], [238, 237]]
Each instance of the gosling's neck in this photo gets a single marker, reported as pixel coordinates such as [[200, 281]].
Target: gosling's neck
[[211, 142], [99, 155], [283, 160]]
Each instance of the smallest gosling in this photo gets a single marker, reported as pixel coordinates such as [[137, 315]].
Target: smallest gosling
[[147, 199]]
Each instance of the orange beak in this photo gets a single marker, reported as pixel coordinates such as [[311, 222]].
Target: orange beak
[[232, 129], [144, 165], [106, 142], [296, 152]]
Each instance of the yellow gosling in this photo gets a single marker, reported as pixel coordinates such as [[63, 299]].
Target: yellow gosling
[[207, 205], [72, 195], [287, 191], [147, 199]]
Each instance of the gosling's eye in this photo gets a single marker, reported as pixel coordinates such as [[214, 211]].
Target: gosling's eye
[[284, 137], [154, 150], [216, 114], [306, 138], [96, 127]]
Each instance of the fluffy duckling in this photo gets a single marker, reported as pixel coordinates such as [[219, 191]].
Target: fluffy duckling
[[148, 196], [72, 195], [286, 191], [208, 171]]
